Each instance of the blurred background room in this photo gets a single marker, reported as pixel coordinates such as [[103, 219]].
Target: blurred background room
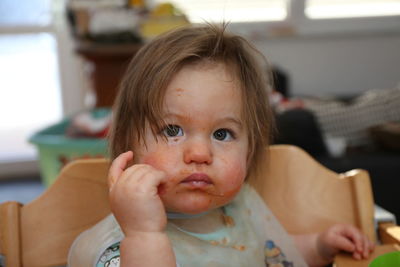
[[336, 68]]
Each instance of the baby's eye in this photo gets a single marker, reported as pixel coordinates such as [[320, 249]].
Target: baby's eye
[[223, 135], [172, 131]]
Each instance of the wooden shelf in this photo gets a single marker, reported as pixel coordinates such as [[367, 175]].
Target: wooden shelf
[[109, 64]]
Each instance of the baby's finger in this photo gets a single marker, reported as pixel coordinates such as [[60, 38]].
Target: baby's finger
[[357, 255], [151, 181], [367, 247], [118, 166], [343, 243], [371, 246], [132, 175], [355, 235]]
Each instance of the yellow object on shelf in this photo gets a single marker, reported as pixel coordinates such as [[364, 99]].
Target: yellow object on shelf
[[164, 9], [154, 27], [162, 18], [136, 3]]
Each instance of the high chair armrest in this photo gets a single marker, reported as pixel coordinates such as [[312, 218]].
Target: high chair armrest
[[10, 246], [389, 233], [389, 236]]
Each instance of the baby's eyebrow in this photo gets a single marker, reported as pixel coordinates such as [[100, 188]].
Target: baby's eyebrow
[[233, 120], [187, 117], [172, 115]]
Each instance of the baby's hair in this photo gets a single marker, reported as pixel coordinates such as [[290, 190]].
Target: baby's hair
[[142, 90]]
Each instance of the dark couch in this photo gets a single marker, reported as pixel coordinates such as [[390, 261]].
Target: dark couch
[[299, 127]]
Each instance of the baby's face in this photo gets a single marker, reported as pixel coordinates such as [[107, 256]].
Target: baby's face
[[205, 154]]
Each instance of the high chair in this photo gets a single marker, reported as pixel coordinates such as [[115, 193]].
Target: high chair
[[40, 233], [305, 196]]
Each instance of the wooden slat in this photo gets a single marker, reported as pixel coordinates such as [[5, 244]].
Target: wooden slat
[[10, 241], [363, 201], [77, 200], [389, 233]]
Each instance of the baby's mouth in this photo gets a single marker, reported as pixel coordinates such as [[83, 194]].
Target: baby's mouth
[[197, 181], [200, 182]]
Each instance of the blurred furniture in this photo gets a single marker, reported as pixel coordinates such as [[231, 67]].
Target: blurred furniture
[[299, 127], [40, 233], [109, 62]]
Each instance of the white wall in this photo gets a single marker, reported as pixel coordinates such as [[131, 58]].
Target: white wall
[[338, 64], [335, 65]]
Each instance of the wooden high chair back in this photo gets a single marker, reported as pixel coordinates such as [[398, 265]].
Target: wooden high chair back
[[307, 197], [40, 233]]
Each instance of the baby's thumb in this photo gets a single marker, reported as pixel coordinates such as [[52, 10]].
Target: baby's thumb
[[118, 166]]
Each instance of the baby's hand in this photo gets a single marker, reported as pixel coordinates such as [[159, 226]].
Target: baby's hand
[[343, 237], [134, 196]]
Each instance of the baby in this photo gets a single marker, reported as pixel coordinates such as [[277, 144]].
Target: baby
[[192, 121]]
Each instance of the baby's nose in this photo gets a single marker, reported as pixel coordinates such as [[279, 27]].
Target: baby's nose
[[199, 152]]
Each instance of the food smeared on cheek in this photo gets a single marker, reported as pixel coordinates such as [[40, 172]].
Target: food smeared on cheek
[[184, 172], [232, 193], [230, 186]]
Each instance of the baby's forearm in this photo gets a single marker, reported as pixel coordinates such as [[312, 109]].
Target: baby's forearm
[[308, 247], [147, 249]]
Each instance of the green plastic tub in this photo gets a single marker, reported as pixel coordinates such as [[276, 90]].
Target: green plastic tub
[[56, 149]]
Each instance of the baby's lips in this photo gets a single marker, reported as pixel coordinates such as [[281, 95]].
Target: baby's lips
[[198, 177]]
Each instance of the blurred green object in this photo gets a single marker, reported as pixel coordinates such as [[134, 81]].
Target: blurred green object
[[56, 149], [391, 259]]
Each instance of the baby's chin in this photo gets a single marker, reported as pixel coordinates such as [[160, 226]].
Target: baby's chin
[[195, 204]]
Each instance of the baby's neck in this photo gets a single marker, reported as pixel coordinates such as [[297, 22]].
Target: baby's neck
[[207, 223]]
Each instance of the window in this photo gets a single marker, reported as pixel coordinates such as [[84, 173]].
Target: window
[[25, 13], [232, 10], [30, 96], [264, 18], [326, 9]]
